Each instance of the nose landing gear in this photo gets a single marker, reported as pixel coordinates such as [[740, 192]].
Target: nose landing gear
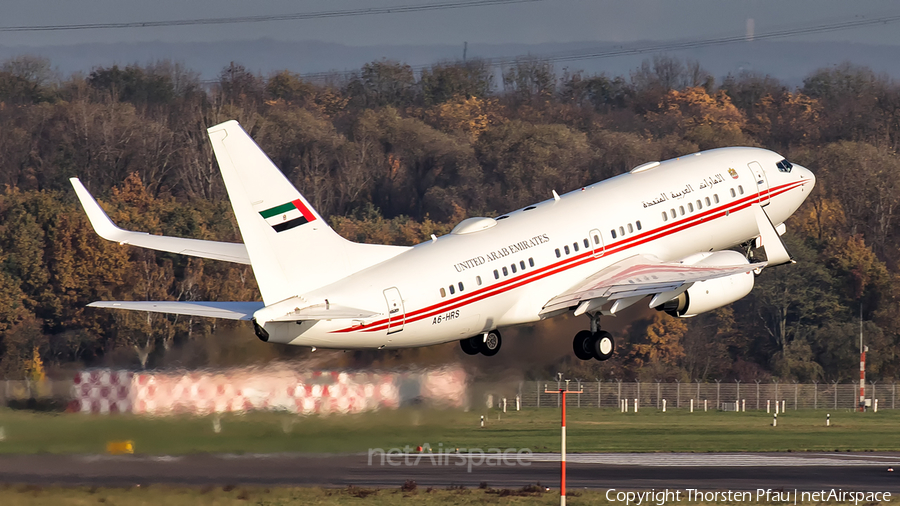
[[594, 343]]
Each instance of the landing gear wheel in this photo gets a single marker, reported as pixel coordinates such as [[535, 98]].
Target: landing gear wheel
[[489, 345], [470, 345], [582, 345], [603, 346]]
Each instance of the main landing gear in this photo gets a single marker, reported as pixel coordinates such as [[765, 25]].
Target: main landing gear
[[488, 344], [594, 343]]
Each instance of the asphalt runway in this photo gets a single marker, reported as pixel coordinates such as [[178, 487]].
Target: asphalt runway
[[711, 471]]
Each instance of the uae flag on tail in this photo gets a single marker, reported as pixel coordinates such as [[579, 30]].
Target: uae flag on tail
[[287, 216]]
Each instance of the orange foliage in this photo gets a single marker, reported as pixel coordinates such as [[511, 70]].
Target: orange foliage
[[820, 217], [694, 107], [660, 342], [787, 117], [471, 116]]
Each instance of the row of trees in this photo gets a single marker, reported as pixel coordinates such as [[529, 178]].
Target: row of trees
[[392, 155]]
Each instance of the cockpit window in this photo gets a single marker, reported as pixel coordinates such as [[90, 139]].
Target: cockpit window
[[784, 166]]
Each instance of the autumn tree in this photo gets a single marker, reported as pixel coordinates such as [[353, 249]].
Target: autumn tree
[[710, 120], [524, 163], [529, 81], [383, 83], [26, 80], [454, 80]]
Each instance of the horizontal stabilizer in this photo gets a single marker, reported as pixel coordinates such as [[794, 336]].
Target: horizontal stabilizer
[[225, 310], [105, 228]]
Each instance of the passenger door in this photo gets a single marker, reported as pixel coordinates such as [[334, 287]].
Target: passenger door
[[762, 183], [396, 312]]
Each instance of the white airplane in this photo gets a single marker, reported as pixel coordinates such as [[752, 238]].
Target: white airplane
[[661, 231]]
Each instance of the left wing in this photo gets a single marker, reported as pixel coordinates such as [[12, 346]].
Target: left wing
[[630, 280]]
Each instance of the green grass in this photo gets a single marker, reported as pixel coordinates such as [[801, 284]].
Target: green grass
[[228, 496], [589, 430]]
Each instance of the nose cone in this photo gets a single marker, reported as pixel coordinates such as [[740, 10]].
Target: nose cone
[[806, 174]]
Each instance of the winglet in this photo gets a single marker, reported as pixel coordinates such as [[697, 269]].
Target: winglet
[[104, 226]]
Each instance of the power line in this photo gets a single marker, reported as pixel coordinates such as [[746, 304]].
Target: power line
[[590, 54], [269, 17]]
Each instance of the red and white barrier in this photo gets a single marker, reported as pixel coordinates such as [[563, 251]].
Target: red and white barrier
[[275, 388], [103, 391]]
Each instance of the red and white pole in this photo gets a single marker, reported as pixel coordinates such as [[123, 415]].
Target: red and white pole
[[862, 364], [862, 379], [562, 452], [562, 476]]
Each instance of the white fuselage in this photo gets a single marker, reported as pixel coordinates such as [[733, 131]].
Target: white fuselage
[[561, 242]]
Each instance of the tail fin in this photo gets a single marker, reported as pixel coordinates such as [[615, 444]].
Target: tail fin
[[292, 249]]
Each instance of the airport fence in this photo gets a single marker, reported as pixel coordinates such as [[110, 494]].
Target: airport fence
[[727, 396]]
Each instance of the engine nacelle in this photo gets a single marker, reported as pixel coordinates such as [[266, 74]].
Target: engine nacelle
[[714, 293]]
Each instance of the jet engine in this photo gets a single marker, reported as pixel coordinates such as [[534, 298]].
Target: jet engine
[[714, 293]]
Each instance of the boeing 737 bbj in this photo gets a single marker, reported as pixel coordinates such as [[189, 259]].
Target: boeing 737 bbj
[[661, 231]]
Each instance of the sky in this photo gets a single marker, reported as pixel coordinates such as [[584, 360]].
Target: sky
[[540, 21]]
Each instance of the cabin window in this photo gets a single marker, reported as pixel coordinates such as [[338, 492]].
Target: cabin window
[[596, 239], [665, 216], [621, 230], [587, 243], [681, 209], [452, 291], [478, 280], [443, 292], [461, 288], [513, 267], [522, 264], [575, 246], [630, 228], [672, 212], [741, 189], [505, 272], [566, 249], [699, 205], [708, 203], [716, 198], [690, 207], [531, 262], [638, 223], [732, 193], [496, 274], [613, 233], [557, 253]]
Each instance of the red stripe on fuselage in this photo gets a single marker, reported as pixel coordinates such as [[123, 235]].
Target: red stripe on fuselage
[[576, 261]]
